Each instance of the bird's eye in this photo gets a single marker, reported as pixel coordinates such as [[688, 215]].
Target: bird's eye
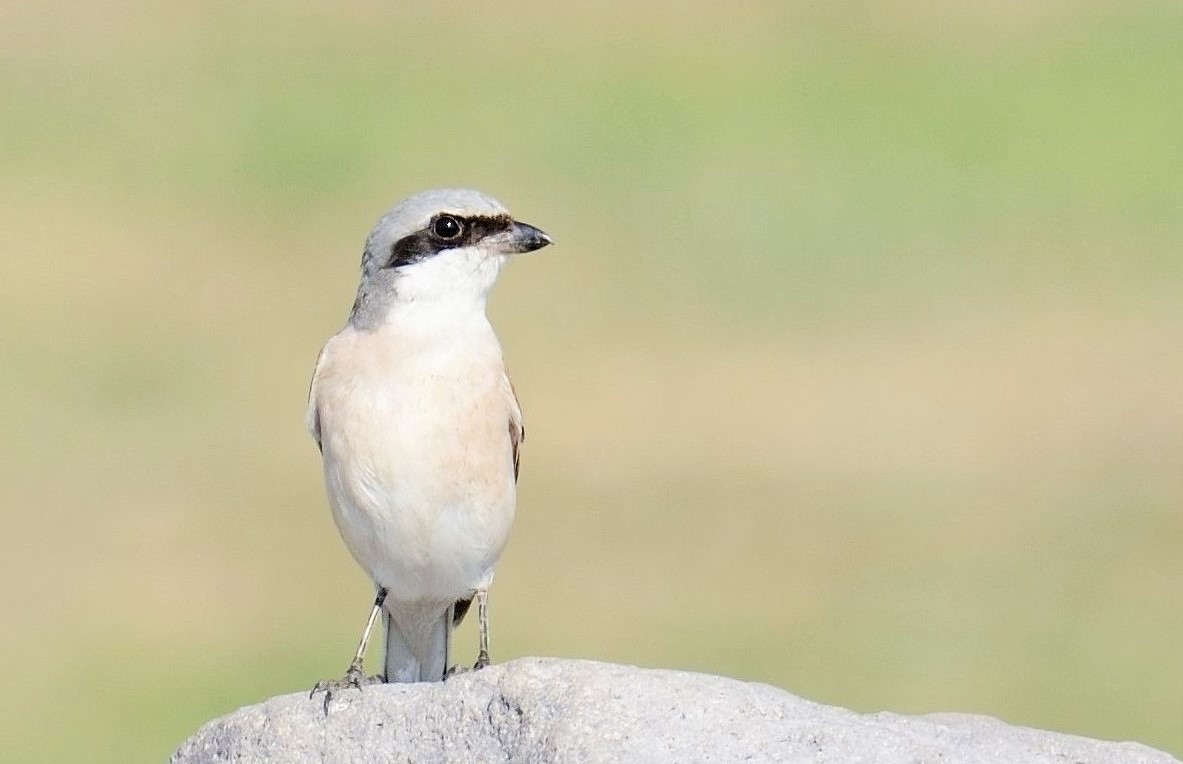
[[447, 227]]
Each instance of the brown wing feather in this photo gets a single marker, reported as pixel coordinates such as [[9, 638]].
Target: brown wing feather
[[517, 428], [516, 436], [312, 416]]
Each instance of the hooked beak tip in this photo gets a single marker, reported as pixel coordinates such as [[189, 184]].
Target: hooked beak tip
[[527, 238]]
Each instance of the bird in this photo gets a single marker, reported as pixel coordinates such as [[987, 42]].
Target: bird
[[420, 429]]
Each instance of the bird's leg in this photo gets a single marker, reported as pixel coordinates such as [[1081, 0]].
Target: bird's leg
[[355, 666], [482, 615], [355, 674]]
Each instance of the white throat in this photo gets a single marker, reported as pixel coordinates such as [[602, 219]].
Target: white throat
[[448, 289]]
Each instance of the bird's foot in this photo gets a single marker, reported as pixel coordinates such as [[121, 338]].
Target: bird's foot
[[354, 678], [482, 661]]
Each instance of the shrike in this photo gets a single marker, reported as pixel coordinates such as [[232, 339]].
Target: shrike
[[419, 426]]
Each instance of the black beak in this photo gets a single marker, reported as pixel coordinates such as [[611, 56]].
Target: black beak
[[527, 238]]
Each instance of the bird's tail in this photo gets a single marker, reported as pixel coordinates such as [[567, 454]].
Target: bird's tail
[[418, 641]]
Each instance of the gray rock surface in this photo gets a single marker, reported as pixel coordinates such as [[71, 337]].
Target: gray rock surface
[[550, 710]]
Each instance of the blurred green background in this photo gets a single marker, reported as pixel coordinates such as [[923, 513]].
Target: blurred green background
[[857, 368]]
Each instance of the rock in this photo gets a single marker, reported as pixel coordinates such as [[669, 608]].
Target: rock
[[550, 710]]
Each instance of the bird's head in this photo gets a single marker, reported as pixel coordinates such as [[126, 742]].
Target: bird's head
[[444, 245]]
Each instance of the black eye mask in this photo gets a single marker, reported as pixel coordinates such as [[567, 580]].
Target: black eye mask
[[445, 232]]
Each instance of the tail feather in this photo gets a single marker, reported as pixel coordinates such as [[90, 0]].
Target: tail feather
[[418, 641]]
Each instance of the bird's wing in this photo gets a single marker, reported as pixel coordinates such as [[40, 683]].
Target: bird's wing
[[517, 436], [312, 415], [517, 428]]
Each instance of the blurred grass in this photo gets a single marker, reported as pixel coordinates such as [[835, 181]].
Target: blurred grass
[[857, 369]]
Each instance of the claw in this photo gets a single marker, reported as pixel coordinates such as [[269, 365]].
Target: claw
[[353, 679], [481, 662]]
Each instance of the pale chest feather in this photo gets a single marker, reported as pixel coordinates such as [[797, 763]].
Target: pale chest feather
[[433, 414]]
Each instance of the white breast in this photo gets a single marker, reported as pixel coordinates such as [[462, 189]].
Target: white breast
[[417, 456]]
